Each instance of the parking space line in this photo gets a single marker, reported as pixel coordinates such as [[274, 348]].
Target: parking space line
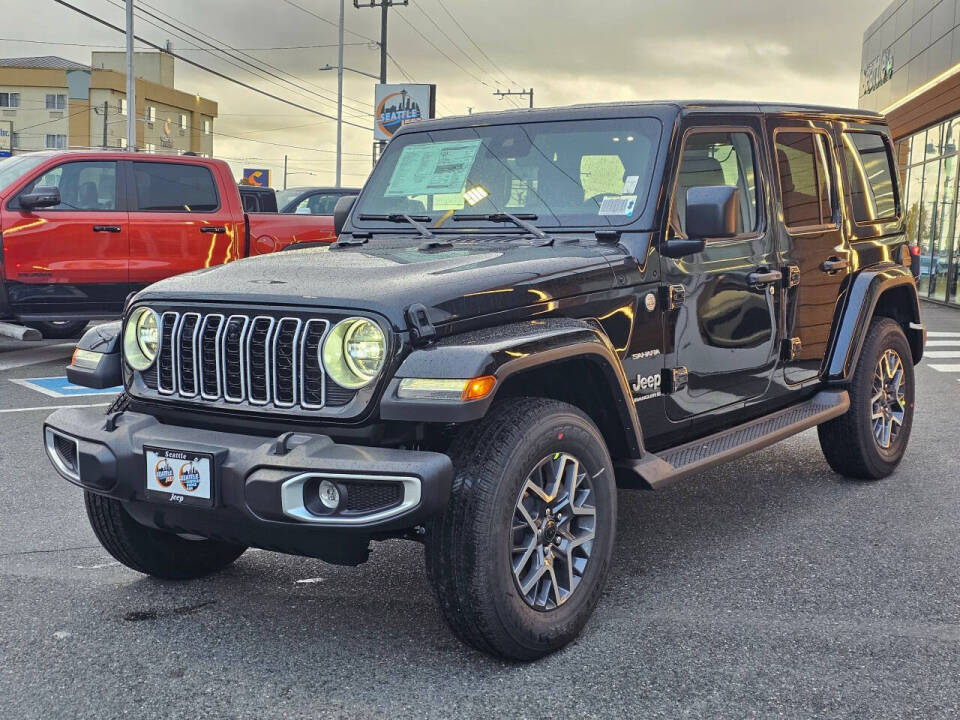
[[943, 343], [945, 368], [51, 407], [943, 354], [939, 334], [33, 356]]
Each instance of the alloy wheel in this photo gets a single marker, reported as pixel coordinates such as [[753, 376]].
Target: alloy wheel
[[554, 525], [889, 399]]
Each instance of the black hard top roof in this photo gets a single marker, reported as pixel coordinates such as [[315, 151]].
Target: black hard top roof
[[664, 109]]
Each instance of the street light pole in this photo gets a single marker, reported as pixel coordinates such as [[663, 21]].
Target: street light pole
[[339, 100], [131, 84]]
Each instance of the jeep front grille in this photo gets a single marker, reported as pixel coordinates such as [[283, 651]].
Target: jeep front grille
[[247, 360]]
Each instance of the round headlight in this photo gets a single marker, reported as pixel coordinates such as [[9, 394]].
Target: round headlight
[[141, 338], [354, 352]]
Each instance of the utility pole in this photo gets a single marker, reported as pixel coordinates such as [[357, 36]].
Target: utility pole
[[384, 6], [528, 93], [131, 84], [284, 172], [105, 106], [340, 101]]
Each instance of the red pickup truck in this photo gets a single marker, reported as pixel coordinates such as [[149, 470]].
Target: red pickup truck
[[81, 230]]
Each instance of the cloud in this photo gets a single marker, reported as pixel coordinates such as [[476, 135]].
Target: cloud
[[569, 50]]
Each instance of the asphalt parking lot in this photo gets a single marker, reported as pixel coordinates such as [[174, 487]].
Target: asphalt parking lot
[[768, 587]]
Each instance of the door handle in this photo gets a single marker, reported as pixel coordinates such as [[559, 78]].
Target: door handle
[[216, 229], [106, 228], [764, 277], [833, 265]]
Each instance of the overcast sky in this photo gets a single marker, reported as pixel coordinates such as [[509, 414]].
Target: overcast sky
[[570, 51]]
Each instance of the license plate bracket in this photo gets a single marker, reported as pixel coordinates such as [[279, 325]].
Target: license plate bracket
[[183, 477]]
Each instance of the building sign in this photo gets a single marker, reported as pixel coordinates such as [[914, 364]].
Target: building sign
[[257, 177], [877, 72], [166, 134], [397, 105], [6, 138]]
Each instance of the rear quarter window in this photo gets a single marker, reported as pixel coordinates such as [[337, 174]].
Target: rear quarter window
[[869, 174], [174, 187]]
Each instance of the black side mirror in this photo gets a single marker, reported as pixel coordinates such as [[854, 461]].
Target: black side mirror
[[40, 197], [341, 212], [712, 212], [96, 360]]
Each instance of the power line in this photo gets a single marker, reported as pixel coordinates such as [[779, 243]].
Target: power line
[[478, 47], [200, 66], [121, 47], [434, 46], [450, 39], [259, 72], [252, 57], [329, 22]]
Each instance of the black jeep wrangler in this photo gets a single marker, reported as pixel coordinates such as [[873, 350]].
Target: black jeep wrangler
[[523, 311]]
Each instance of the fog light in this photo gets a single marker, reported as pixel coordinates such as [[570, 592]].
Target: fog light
[[329, 495]]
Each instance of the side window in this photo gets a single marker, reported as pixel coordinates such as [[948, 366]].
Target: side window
[[718, 158], [869, 176], [170, 187], [82, 185], [805, 183]]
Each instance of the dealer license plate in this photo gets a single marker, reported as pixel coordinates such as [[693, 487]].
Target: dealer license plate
[[179, 476]]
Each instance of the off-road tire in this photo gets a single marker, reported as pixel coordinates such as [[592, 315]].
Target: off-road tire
[[848, 441], [62, 330], [154, 552], [468, 549]]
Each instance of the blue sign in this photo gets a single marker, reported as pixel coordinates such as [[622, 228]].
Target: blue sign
[[60, 387]]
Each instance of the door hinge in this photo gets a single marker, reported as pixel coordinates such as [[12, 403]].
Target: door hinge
[[792, 274], [674, 379], [790, 349], [674, 295], [419, 323]]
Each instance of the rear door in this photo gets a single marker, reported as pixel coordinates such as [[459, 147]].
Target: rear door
[[71, 259], [724, 330], [811, 240], [179, 219]]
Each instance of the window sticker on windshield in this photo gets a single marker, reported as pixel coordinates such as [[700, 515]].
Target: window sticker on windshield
[[630, 184], [618, 205], [433, 168]]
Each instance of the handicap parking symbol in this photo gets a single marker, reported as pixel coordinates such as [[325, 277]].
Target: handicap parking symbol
[[60, 387]]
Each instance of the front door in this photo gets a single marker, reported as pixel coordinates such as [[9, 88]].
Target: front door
[[724, 332], [812, 242], [71, 258]]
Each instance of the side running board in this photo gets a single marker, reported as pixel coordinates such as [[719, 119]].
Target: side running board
[[657, 471]]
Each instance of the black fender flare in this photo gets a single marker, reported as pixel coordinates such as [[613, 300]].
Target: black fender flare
[[502, 352], [862, 296]]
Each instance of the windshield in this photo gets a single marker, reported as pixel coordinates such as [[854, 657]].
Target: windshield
[[573, 173], [14, 168]]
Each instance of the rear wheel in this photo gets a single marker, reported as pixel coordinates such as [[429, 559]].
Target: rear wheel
[[154, 552], [59, 329], [869, 440], [519, 557]]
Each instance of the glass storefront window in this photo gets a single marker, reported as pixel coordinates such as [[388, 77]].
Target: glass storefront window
[[934, 144], [918, 145], [943, 237], [927, 222]]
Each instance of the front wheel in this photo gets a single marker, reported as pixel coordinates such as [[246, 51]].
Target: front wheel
[[869, 440], [154, 552], [519, 557]]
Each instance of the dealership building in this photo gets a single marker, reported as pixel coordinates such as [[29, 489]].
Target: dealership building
[[910, 71], [51, 103]]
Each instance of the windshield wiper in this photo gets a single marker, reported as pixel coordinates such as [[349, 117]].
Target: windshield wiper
[[501, 217], [415, 220]]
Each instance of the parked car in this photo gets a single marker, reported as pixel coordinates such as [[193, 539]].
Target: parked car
[[522, 312], [82, 230], [258, 199], [312, 200]]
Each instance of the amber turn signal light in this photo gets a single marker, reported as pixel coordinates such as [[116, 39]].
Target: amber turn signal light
[[479, 388]]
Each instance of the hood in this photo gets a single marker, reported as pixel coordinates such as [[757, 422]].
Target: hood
[[470, 278]]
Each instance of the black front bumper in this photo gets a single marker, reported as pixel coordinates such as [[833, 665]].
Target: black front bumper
[[261, 486]]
